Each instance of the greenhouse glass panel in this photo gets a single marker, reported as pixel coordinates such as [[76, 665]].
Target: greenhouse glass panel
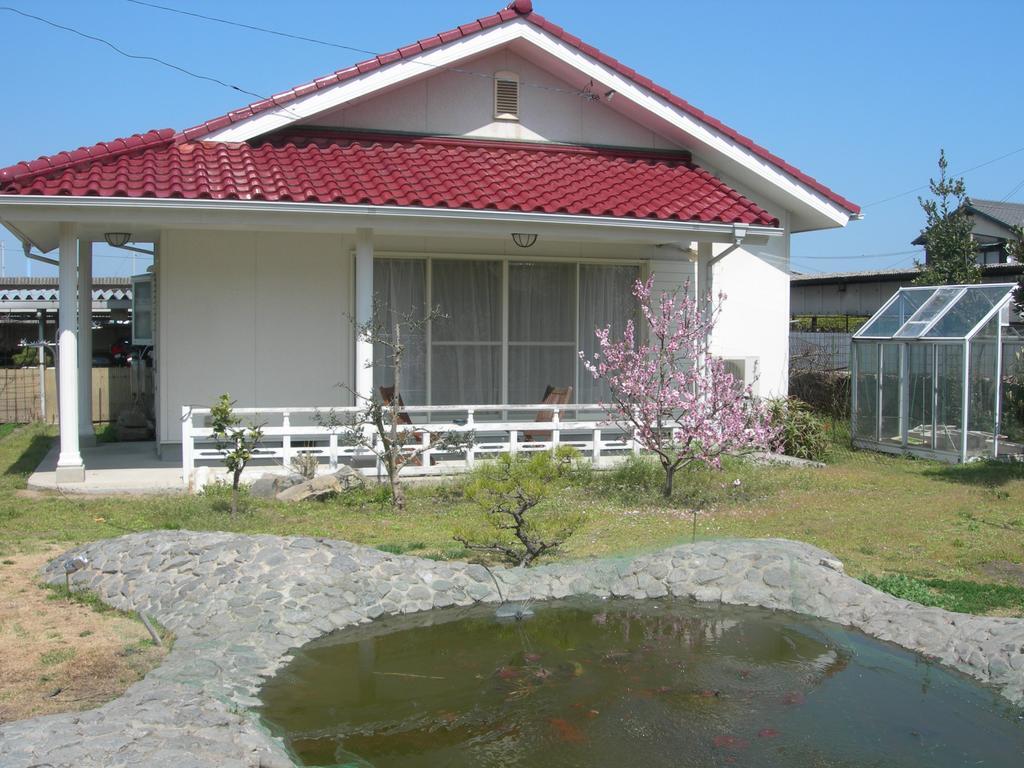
[[921, 381], [940, 373], [892, 316], [969, 310], [890, 429], [981, 396], [949, 388], [865, 419], [1011, 441]]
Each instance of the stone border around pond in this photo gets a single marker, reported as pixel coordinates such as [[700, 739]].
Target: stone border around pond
[[237, 604]]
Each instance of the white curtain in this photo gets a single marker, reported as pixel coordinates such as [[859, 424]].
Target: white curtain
[[551, 315], [541, 329], [606, 298], [399, 287], [466, 342]]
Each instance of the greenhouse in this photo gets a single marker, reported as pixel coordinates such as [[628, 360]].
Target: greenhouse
[[938, 372]]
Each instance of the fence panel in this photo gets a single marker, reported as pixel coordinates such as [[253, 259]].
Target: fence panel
[[20, 400], [19, 395], [819, 351]]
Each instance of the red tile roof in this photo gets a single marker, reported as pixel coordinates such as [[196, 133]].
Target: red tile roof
[[519, 9], [90, 171], [310, 166]]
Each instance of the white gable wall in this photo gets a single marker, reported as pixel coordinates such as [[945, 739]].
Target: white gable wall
[[454, 103]]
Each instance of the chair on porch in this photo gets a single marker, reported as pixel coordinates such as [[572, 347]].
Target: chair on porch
[[387, 395], [552, 396]]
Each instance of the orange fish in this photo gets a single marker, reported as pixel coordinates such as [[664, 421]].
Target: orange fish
[[566, 731]]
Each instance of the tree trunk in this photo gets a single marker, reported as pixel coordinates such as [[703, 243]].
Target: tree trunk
[[670, 474], [234, 491], [397, 494]]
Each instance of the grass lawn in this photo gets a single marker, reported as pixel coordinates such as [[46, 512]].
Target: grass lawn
[[945, 528]]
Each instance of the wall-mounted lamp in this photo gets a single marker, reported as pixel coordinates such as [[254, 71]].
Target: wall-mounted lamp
[[609, 96], [524, 239], [117, 239]]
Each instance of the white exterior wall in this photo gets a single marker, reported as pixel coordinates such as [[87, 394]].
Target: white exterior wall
[[754, 322], [261, 316], [460, 104], [673, 272]]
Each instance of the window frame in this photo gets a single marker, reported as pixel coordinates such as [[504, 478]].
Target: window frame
[[145, 278], [641, 265]]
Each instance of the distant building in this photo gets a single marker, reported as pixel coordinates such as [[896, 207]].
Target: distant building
[[28, 306], [993, 222], [861, 294]]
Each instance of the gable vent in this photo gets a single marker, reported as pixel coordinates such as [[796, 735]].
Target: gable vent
[[506, 96]]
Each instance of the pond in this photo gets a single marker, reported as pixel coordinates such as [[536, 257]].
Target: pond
[[619, 683]]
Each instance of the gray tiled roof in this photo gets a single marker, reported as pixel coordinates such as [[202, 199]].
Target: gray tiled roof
[[989, 271], [1010, 214], [44, 289]]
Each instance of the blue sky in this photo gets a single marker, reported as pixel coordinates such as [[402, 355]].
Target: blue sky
[[859, 95]]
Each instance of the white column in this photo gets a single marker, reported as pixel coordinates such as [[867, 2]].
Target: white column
[[69, 463], [85, 430], [364, 313]]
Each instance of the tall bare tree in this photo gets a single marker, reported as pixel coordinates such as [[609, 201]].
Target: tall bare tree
[[381, 426]]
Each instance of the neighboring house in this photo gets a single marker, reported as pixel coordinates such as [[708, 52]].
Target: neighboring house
[[504, 170], [859, 295], [993, 228]]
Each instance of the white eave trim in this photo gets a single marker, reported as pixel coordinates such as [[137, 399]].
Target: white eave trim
[[341, 217], [400, 72]]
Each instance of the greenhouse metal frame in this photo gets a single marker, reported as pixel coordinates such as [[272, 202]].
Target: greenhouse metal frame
[[938, 372]]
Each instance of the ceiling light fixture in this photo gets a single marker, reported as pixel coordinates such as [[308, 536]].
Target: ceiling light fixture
[[524, 239], [117, 239]]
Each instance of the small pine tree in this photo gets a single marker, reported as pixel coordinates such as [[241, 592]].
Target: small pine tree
[[948, 244]]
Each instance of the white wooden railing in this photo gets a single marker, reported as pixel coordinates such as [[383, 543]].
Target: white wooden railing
[[288, 432]]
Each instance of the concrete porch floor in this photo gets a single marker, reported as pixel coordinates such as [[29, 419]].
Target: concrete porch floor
[[114, 468]]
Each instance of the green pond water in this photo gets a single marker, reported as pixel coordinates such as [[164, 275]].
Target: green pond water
[[644, 683]]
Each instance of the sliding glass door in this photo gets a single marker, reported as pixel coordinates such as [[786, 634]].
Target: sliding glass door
[[509, 329], [465, 347], [541, 329], [605, 299], [399, 287]]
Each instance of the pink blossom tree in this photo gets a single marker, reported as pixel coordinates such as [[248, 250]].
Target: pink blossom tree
[[670, 393]]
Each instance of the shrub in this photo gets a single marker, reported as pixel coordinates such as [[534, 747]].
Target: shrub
[[30, 356], [306, 464], [637, 475], [802, 433], [515, 492], [827, 392]]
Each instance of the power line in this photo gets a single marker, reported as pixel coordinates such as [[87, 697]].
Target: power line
[[1012, 192], [122, 52], [585, 93], [958, 173], [861, 256]]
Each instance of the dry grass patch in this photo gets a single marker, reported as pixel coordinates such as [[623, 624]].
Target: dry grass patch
[[57, 654]]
